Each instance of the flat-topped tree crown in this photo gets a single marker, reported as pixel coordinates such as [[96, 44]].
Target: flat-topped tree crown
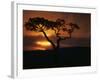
[[36, 24]]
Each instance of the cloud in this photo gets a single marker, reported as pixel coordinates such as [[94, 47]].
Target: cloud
[[77, 42]]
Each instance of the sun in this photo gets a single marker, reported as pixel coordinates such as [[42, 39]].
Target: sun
[[43, 43]]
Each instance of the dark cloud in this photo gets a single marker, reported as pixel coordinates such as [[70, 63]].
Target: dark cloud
[[77, 42], [73, 42]]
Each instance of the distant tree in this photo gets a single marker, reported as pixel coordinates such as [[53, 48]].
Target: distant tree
[[38, 24]]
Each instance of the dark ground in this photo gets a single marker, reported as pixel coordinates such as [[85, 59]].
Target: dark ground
[[65, 57]]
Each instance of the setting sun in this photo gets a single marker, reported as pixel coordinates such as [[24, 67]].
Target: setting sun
[[43, 43]]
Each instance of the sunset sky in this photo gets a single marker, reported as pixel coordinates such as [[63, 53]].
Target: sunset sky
[[36, 41]]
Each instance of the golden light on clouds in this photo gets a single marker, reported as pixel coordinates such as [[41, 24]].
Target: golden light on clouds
[[39, 48], [33, 33]]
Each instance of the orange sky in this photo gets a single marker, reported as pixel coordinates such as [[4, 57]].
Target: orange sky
[[37, 41]]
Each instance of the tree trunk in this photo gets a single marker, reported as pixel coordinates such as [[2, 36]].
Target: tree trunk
[[58, 44], [53, 45]]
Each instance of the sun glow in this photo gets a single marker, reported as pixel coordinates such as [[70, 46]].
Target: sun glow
[[43, 43], [49, 33]]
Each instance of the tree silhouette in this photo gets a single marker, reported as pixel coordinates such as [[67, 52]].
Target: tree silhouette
[[41, 25]]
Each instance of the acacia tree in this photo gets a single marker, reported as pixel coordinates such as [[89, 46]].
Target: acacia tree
[[41, 25]]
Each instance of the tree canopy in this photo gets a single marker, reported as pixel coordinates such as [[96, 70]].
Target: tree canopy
[[40, 24]]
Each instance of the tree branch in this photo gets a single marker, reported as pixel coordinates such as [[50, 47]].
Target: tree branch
[[60, 39], [49, 39]]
